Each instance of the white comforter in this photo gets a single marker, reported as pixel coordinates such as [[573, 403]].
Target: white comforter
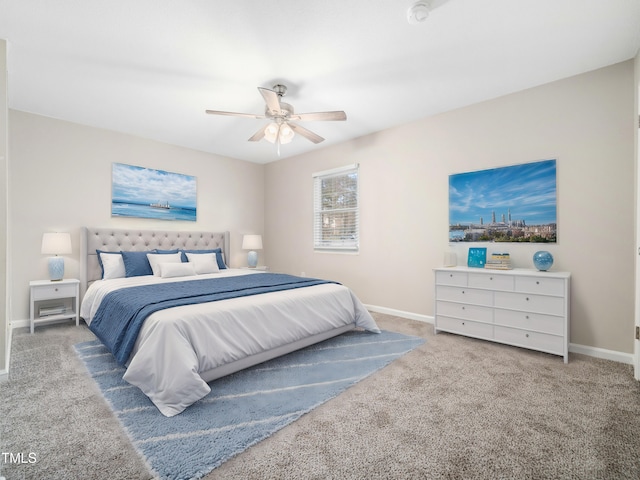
[[175, 346]]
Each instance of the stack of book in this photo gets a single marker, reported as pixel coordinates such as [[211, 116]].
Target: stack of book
[[499, 261]]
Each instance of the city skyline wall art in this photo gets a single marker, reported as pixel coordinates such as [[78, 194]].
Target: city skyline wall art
[[516, 203], [147, 193]]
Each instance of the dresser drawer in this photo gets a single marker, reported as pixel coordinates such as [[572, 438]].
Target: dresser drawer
[[465, 311], [540, 285], [465, 295], [530, 303], [522, 338], [491, 281], [54, 291], [465, 327], [529, 321], [451, 278]]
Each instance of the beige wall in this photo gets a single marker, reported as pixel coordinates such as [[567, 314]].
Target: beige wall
[[585, 122], [61, 180]]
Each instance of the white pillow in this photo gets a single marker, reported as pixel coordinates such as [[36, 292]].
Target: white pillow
[[112, 265], [203, 262], [169, 270], [155, 259]]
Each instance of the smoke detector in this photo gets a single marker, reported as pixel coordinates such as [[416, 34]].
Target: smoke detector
[[418, 12]]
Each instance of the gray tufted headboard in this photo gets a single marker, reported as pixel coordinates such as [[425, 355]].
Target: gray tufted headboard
[[116, 240]]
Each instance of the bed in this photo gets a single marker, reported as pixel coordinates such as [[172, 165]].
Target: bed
[[189, 318]]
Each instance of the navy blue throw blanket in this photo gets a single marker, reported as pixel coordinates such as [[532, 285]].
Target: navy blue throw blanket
[[121, 313]]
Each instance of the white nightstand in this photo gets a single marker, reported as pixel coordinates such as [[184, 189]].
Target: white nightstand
[[52, 301], [263, 268]]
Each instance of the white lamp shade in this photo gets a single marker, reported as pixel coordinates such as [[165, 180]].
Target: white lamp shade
[[286, 133], [283, 133], [56, 243], [252, 242], [271, 132]]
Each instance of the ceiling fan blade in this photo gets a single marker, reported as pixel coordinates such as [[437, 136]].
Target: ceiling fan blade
[[272, 100], [259, 135], [308, 134], [320, 116], [235, 114]]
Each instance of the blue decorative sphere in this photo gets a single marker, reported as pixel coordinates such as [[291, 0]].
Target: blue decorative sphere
[[542, 260]]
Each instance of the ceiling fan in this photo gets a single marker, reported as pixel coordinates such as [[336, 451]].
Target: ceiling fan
[[281, 129]]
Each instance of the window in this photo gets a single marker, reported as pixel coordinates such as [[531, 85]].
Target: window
[[335, 209]]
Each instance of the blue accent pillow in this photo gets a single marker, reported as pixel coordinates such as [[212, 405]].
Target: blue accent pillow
[[217, 251], [168, 252], [136, 264]]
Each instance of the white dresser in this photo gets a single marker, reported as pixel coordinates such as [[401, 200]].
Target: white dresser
[[520, 307]]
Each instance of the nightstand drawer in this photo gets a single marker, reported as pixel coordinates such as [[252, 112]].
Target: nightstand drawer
[[46, 292]]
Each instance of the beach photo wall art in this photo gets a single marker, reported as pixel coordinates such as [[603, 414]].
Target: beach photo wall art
[[147, 193], [507, 204]]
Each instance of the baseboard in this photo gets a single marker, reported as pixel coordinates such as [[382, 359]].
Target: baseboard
[[621, 357], [400, 313], [4, 374], [596, 352], [19, 324]]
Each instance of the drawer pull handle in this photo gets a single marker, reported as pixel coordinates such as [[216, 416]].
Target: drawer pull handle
[[527, 317], [527, 299], [56, 289], [464, 308], [490, 278], [537, 282], [463, 292], [526, 335], [462, 323]]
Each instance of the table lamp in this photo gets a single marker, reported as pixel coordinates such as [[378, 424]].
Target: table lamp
[[252, 242], [56, 244]]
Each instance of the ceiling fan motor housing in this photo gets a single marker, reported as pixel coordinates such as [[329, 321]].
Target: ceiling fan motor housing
[[286, 110], [281, 90]]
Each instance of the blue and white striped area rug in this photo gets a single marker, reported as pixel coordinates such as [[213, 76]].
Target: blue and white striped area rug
[[244, 408]]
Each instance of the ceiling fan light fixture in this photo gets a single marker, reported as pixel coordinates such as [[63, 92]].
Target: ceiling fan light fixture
[[271, 132], [286, 133], [418, 12]]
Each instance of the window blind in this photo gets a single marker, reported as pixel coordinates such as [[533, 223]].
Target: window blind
[[336, 209]]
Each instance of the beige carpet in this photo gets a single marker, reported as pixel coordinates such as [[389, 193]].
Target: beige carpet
[[454, 408]]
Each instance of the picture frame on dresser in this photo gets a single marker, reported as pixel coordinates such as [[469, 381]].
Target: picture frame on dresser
[[477, 257]]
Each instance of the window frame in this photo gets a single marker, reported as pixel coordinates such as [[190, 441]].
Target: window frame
[[320, 244]]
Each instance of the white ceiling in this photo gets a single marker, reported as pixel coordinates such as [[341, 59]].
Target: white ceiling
[[151, 67]]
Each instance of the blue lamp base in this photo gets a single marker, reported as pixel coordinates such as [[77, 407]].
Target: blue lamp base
[[252, 259], [56, 268]]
